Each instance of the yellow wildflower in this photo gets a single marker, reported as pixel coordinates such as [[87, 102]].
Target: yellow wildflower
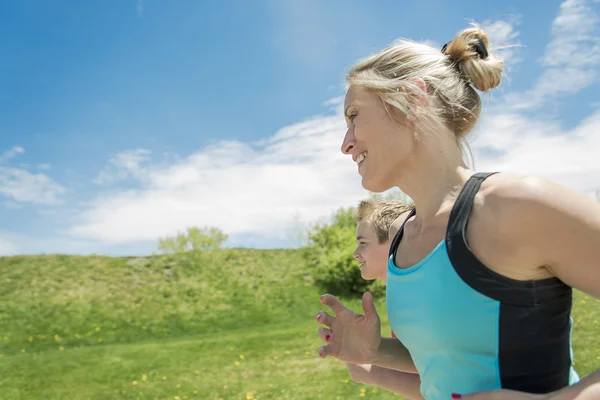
[[237, 363], [61, 348], [144, 378], [164, 378], [197, 372], [97, 329], [134, 383], [195, 391], [242, 356], [31, 338]]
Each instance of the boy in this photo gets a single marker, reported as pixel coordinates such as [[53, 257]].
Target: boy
[[378, 221]]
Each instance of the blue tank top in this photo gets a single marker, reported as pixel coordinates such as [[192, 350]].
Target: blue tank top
[[469, 329]]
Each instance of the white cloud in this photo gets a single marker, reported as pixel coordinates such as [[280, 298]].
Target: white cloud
[[7, 245], [503, 37], [571, 57], [20, 185], [11, 153], [512, 142], [124, 165], [299, 174]]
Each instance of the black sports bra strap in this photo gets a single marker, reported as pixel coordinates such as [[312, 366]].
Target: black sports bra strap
[[459, 216], [400, 233]]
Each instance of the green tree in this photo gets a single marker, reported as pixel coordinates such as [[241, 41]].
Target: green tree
[[193, 239], [329, 256]]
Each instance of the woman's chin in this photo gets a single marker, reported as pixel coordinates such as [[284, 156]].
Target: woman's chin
[[373, 186]]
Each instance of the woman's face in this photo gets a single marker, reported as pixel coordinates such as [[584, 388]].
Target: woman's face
[[379, 144]]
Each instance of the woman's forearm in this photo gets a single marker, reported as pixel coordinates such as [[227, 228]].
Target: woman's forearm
[[403, 383], [586, 389], [392, 354]]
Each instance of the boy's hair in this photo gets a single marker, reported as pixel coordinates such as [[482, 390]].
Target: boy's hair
[[380, 214]]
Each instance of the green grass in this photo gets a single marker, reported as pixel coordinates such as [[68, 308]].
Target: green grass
[[188, 319], [124, 300]]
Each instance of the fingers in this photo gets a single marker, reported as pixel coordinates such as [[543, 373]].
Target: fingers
[[324, 334], [333, 303], [368, 305], [324, 318], [325, 351]]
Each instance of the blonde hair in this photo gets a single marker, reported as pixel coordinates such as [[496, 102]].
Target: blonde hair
[[381, 214], [451, 77]]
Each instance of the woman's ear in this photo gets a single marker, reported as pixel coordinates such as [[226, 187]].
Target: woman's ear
[[420, 97]]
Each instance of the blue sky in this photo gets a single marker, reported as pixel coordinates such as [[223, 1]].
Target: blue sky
[[122, 121]]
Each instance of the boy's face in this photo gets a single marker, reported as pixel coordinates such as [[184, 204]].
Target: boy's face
[[371, 255]]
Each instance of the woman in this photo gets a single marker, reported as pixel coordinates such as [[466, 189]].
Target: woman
[[480, 276]]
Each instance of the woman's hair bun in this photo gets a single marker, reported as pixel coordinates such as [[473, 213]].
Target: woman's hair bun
[[469, 50]]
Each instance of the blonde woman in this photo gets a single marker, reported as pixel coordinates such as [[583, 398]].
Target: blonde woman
[[480, 276]]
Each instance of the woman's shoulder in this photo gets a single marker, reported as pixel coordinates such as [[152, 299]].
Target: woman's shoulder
[[508, 223], [505, 197], [397, 224], [526, 227]]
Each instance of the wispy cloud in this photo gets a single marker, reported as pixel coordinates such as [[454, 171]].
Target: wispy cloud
[[11, 153], [571, 58], [128, 164], [21, 185], [503, 35]]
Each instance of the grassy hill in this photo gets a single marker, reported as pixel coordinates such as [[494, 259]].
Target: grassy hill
[[233, 324]]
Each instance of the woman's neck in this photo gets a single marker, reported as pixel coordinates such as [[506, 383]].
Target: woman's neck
[[433, 186]]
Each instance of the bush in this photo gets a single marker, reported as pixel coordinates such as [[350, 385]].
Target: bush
[[329, 257], [195, 239]]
